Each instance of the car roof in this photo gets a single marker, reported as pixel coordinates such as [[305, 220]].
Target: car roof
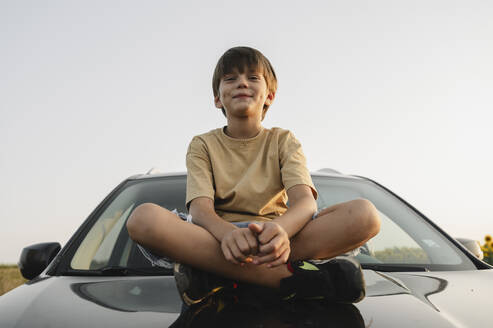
[[154, 173]]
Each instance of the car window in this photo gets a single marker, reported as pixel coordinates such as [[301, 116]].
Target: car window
[[107, 242], [404, 237], [394, 245]]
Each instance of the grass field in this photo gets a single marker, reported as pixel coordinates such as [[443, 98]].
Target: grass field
[[10, 277]]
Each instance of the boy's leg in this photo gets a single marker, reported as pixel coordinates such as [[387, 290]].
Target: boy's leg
[[336, 230], [337, 280], [166, 234]]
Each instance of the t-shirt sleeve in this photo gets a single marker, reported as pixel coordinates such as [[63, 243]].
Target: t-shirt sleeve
[[293, 163], [200, 182]]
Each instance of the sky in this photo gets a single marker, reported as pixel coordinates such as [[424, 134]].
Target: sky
[[93, 92]]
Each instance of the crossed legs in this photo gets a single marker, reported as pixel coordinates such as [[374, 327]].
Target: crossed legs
[[336, 230]]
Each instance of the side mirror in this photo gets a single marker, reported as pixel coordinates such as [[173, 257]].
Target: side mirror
[[472, 246], [35, 258]]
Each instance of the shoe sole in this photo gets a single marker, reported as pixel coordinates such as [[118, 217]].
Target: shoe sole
[[181, 273]]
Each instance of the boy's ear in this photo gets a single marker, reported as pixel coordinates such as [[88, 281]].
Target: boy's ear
[[270, 98], [217, 102]]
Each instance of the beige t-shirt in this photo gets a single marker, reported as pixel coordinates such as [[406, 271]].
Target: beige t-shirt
[[246, 178]]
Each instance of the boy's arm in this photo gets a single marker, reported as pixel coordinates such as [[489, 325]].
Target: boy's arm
[[204, 215], [302, 206], [236, 243], [274, 235]]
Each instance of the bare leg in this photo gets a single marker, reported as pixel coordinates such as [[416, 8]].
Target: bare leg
[[337, 229], [165, 233]]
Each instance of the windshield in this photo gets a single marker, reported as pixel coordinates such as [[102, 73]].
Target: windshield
[[405, 239], [107, 243], [406, 242]]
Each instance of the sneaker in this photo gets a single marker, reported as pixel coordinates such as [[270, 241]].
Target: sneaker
[[195, 285], [338, 280]]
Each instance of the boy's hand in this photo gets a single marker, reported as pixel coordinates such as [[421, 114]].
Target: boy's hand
[[274, 242], [238, 244]]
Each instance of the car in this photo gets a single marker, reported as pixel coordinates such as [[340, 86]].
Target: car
[[416, 274]]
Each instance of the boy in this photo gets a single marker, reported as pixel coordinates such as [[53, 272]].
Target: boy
[[239, 179]]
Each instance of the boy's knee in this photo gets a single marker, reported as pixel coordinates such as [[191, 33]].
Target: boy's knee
[[367, 218], [138, 222]]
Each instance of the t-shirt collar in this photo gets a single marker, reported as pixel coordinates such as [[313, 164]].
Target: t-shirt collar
[[223, 133]]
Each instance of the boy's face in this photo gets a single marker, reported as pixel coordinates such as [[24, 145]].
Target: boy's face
[[243, 94]]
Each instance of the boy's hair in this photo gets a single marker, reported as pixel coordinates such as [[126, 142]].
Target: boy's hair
[[242, 59]]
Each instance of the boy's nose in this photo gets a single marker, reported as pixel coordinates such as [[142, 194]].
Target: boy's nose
[[242, 82]]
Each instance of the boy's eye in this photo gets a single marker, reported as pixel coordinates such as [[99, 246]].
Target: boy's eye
[[229, 78], [254, 77]]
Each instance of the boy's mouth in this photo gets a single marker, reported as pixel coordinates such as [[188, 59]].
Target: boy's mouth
[[242, 95]]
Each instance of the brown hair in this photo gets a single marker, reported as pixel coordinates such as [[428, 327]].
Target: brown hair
[[244, 58]]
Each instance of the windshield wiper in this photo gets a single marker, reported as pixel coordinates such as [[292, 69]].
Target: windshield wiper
[[116, 270], [394, 267]]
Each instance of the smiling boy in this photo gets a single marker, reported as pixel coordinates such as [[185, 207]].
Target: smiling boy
[[239, 180]]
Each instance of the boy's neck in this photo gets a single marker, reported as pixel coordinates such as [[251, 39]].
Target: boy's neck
[[243, 129]]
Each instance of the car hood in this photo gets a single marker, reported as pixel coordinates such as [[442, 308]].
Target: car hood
[[425, 299], [71, 302]]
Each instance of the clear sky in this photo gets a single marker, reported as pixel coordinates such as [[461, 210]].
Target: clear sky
[[92, 92]]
